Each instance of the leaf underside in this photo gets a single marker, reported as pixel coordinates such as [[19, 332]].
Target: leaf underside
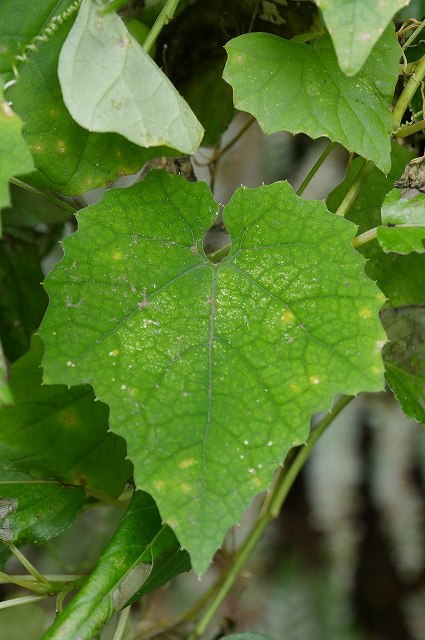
[[296, 87], [355, 26], [97, 66], [211, 371]]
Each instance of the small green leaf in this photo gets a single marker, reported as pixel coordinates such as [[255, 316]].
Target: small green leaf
[[203, 364], [399, 277], [68, 158], [355, 26], [15, 157], [34, 511], [296, 87], [98, 65], [143, 555], [404, 357], [400, 208], [61, 433]]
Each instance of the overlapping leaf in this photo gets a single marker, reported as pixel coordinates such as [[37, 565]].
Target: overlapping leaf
[[15, 157], [355, 26], [60, 433], [404, 218], [399, 277], [405, 357], [68, 158], [211, 371], [110, 84], [300, 88], [142, 556], [34, 511]]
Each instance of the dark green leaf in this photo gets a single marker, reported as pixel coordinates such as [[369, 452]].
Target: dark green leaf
[[68, 158], [403, 208], [98, 64], [200, 363], [299, 88], [142, 555], [22, 298], [34, 511], [61, 433], [355, 27], [404, 357]]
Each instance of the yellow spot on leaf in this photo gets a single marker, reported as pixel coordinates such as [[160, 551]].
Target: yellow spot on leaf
[[295, 388], [37, 147], [185, 464], [185, 487], [365, 313], [314, 380], [159, 485], [287, 316], [61, 146], [117, 255], [257, 481], [114, 352]]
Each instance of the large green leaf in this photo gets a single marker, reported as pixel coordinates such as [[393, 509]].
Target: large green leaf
[[211, 371], [61, 433], [15, 157], [299, 88], [355, 26], [399, 277], [68, 158], [143, 555], [34, 511], [404, 357], [408, 213], [109, 83]]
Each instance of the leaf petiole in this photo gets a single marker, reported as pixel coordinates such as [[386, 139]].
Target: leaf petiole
[[356, 187], [315, 168], [165, 16], [26, 563]]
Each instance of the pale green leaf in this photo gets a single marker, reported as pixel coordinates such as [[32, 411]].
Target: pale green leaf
[[60, 433], [33, 511], [211, 371], [408, 213], [404, 357], [68, 158], [355, 26], [15, 157], [5, 393], [109, 83], [143, 555], [299, 88]]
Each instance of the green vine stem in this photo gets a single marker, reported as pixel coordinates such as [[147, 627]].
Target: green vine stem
[[408, 92], [413, 36], [357, 185], [365, 237], [165, 16], [15, 602], [408, 129], [315, 168], [274, 502], [26, 563], [42, 194], [119, 631]]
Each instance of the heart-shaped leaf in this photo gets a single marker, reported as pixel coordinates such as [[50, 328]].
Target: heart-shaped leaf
[[211, 371], [98, 65], [355, 26], [296, 87]]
